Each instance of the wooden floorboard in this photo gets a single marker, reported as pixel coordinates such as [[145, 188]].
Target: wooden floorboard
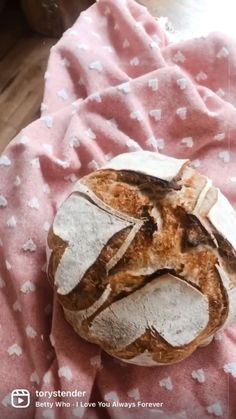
[[22, 71], [21, 85], [23, 61]]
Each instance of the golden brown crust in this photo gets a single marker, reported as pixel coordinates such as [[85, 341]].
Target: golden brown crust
[[180, 244]]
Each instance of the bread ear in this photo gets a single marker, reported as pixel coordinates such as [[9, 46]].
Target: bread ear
[[148, 163]]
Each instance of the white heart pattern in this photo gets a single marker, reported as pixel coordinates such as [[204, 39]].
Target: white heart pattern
[[136, 115], [156, 114], [154, 44], [95, 97], [166, 383], [48, 414], [112, 396], [48, 120], [93, 165], [84, 47], [63, 163], [17, 181], [108, 48], [220, 136], [208, 93], [71, 32], [138, 25], [47, 378], [71, 178], [107, 11], [23, 140], [126, 43], [198, 375], [65, 372], [29, 246], [201, 76], [47, 75], [182, 83], [35, 162], [31, 333], [43, 107], [95, 361], [48, 148], [156, 143], [96, 65], [11, 222], [124, 88], [34, 378], [2, 283], [4, 161], [153, 84], [27, 287], [46, 189], [7, 400], [188, 141], [62, 94], [16, 306], [220, 92], [3, 201], [74, 141], [33, 203], [88, 18], [135, 61], [182, 113], [225, 156], [112, 122], [222, 53], [134, 393], [8, 265], [179, 57], [133, 146], [15, 349], [78, 412], [90, 134], [215, 409], [230, 368]]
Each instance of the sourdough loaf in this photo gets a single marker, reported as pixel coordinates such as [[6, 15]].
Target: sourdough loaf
[[142, 257]]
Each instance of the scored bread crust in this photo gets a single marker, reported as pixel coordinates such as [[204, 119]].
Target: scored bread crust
[[168, 235]]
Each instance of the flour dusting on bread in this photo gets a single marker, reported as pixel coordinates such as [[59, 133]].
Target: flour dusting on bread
[[143, 258]]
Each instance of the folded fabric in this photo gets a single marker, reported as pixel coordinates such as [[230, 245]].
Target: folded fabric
[[113, 84]]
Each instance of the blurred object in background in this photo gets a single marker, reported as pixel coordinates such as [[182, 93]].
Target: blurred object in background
[[53, 17], [193, 18]]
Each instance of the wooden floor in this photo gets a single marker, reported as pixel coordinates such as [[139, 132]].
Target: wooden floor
[[23, 59]]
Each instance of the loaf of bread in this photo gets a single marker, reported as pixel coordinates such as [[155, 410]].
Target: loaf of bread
[[142, 257]]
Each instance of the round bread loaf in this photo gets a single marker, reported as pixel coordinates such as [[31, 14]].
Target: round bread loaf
[[142, 257]]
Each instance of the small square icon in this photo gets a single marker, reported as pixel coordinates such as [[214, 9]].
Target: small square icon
[[20, 398]]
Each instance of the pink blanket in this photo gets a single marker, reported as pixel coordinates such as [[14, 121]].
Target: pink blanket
[[113, 84]]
